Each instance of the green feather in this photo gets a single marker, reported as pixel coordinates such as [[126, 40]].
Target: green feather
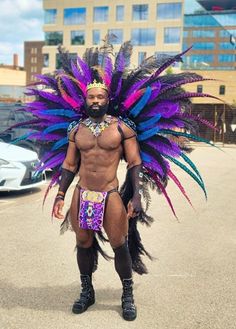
[[194, 137], [182, 166], [192, 165]]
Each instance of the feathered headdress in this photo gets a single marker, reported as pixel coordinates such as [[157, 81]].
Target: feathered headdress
[[153, 104]]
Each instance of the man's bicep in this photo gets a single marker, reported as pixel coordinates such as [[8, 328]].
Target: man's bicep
[[132, 152]]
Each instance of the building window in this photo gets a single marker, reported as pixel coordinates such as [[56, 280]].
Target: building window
[[96, 37], [201, 59], [226, 58], [172, 34], [74, 16], [100, 14], [222, 90], [204, 46], [33, 69], [203, 34], [199, 89], [50, 16], [53, 38], [34, 51], [169, 10], [33, 60], [140, 13], [226, 45], [77, 37], [45, 60], [143, 37], [141, 56], [117, 36], [120, 13], [72, 56]]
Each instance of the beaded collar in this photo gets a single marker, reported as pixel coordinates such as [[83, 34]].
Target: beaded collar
[[97, 127]]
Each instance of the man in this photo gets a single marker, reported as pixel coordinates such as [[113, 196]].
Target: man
[[98, 144]]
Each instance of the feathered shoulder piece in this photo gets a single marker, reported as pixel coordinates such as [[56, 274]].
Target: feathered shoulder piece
[[152, 103]]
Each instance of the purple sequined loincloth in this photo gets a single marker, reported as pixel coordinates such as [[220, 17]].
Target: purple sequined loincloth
[[91, 211]]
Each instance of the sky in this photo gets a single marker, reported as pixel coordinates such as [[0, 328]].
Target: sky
[[20, 20]]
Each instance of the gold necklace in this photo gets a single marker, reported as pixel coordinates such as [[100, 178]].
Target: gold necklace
[[97, 127]]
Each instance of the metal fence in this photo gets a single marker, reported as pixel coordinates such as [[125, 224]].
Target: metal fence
[[222, 116]]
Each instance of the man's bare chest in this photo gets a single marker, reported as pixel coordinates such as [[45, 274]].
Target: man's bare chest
[[109, 139]]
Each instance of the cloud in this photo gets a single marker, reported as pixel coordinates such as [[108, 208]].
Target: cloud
[[21, 20]]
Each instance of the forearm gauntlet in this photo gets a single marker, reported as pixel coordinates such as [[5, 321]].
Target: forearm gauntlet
[[66, 179], [136, 177]]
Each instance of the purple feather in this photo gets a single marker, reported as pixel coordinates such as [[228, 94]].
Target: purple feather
[[76, 72], [177, 182], [72, 91], [163, 148], [54, 181], [57, 160], [166, 108], [190, 95], [161, 187], [156, 87], [108, 70], [136, 86], [168, 63], [183, 82], [120, 63], [85, 70]]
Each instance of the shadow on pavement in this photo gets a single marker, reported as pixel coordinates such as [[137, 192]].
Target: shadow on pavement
[[18, 194], [54, 298]]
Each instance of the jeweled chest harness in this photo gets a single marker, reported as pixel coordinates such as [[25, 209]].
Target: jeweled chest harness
[[97, 127]]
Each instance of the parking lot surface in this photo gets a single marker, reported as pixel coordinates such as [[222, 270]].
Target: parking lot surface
[[191, 283]]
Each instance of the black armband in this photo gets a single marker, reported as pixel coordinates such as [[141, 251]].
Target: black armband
[[136, 177], [66, 179]]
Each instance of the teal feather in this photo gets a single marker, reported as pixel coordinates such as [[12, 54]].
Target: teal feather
[[23, 137], [140, 105], [192, 165], [186, 169], [194, 137]]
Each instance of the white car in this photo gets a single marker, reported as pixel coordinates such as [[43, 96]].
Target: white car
[[17, 168]]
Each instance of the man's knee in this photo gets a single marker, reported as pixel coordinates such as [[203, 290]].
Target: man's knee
[[116, 242], [84, 238]]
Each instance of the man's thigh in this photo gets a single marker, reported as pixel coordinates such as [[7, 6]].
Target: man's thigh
[[115, 220], [83, 237]]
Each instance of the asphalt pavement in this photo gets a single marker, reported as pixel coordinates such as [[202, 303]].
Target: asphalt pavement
[[191, 283]]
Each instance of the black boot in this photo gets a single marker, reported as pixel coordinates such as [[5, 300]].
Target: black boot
[[87, 296], [129, 309]]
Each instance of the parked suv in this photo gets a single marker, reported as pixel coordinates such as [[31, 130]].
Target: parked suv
[[11, 114]]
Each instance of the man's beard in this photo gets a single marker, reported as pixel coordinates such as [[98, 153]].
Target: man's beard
[[98, 112]]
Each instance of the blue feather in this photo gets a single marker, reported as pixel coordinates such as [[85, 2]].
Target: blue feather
[[192, 165], [140, 105], [57, 126], [60, 112], [146, 124], [60, 143], [148, 134], [145, 157], [182, 166]]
